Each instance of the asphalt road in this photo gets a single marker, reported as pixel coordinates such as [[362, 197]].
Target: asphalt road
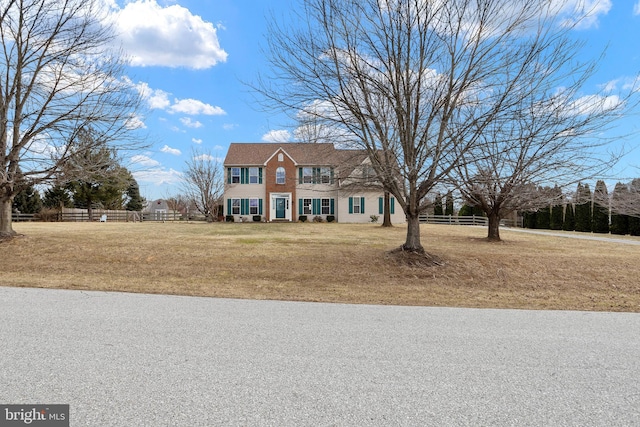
[[144, 360]]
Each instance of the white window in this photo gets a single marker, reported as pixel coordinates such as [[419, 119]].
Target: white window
[[235, 175], [307, 175], [280, 157], [306, 206], [253, 206], [326, 207], [325, 175], [280, 175], [253, 175], [356, 205], [235, 206]]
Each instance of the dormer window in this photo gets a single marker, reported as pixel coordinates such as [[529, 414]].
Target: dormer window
[[280, 175]]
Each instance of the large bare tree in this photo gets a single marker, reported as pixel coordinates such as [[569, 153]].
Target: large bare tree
[[59, 75], [204, 183], [416, 83]]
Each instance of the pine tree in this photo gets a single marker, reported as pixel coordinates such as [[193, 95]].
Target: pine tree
[[448, 210], [136, 201], [619, 221], [569, 223], [437, 206], [57, 196], [583, 208], [27, 200], [600, 215]]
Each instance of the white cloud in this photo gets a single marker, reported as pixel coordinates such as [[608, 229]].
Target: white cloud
[[174, 151], [190, 123], [195, 107], [218, 148], [204, 157], [588, 11], [636, 8], [143, 160], [158, 176], [196, 140], [135, 122], [277, 136], [229, 126], [170, 36]]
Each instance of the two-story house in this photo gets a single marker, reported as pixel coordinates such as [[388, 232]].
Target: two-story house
[[284, 181]]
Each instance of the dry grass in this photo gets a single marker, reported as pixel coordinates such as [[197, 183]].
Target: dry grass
[[325, 262]]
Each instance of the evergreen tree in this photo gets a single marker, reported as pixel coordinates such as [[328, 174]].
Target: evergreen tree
[[619, 221], [57, 196], [634, 211], [529, 219], [543, 218], [27, 200], [467, 210], [583, 208], [448, 210], [437, 205], [136, 201], [569, 223], [555, 222], [600, 215]]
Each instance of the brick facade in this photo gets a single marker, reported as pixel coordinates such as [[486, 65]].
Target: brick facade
[[280, 159]]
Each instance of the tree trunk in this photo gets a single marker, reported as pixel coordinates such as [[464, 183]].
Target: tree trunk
[[413, 235], [387, 210], [5, 218], [494, 227]]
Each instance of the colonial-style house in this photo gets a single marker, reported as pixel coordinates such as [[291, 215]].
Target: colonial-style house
[[294, 181]]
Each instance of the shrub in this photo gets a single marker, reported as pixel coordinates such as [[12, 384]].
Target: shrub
[[374, 218], [318, 219], [302, 218], [229, 218], [48, 215], [257, 218], [331, 218]]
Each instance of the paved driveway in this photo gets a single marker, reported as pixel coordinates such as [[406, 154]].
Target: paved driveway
[[143, 360]]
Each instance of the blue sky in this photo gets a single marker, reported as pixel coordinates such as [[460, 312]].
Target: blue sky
[[189, 59]]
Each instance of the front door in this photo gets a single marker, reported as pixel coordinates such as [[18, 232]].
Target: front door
[[281, 208]]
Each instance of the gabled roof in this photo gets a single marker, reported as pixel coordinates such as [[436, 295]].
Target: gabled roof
[[303, 154]]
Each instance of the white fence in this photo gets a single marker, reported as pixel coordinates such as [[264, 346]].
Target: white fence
[[462, 220]]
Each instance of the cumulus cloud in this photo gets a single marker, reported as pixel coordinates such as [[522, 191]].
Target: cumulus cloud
[[169, 36], [588, 11], [135, 122], [169, 150], [204, 157], [196, 140], [195, 107], [277, 136], [636, 8], [190, 123], [141, 159], [158, 176]]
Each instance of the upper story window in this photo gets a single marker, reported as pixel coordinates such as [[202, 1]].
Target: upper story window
[[325, 175], [235, 175], [307, 175], [253, 176], [280, 157], [280, 175]]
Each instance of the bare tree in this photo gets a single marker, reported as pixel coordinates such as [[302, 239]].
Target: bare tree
[[548, 134], [204, 183], [415, 83], [58, 76]]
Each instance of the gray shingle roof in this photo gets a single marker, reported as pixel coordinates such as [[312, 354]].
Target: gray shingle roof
[[250, 154]]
